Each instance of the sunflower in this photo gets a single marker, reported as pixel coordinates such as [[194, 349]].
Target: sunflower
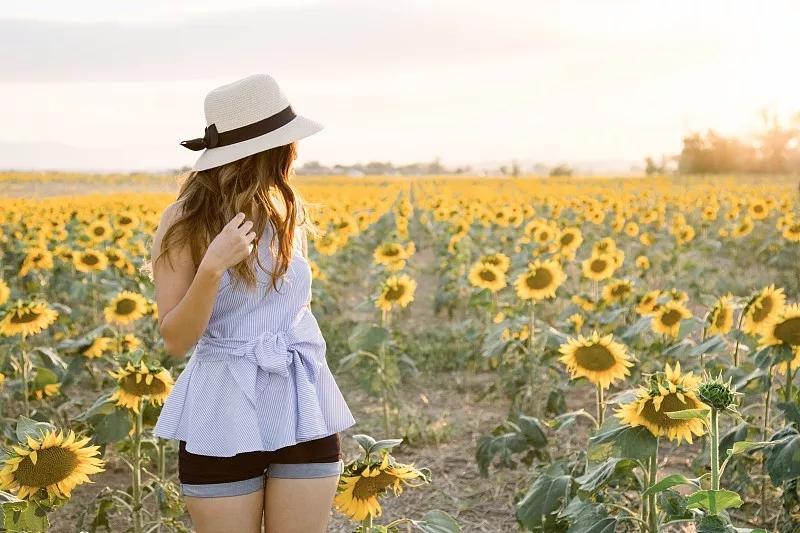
[[540, 280], [643, 262], [140, 383], [89, 260], [764, 310], [363, 482], [5, 292], [36, 258], [397, 290], [99, 231], [328, 244], [720, 318], [47, 389], [130, 342], [667, 318], [599, 266], [27, 318], [631, 229], [617, 290], [522, 334], [51, 462], [744, 228], [316, 271], [577, 321], [583, 302], [570, 239], [601, 360], [784, 330], [784, 366], [666, 392], [499, 259], [126, 307], [791, 232], [388, 253], [487, 276], [99, 346]]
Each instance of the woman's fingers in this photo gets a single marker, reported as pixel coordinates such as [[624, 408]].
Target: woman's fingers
[[235, 221]]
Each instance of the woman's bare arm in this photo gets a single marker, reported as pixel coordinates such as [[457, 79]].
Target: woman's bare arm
[[185, 298]]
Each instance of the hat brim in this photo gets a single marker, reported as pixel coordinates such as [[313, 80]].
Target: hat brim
[[298, 128]]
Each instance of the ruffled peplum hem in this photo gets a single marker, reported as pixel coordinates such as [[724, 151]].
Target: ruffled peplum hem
[[238, 395]]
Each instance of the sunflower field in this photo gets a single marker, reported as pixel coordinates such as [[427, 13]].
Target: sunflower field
[[578, 355]]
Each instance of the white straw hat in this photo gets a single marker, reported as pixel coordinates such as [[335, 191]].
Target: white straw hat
[[245, 117]]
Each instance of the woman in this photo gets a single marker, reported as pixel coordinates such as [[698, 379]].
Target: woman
[[256, 410]]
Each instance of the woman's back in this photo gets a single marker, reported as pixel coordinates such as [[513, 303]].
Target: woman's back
[[258, 378]]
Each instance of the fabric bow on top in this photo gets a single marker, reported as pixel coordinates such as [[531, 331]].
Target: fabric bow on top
[[210, 139], [296, 353]]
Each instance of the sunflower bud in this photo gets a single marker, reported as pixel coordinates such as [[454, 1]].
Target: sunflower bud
[[715, 393]]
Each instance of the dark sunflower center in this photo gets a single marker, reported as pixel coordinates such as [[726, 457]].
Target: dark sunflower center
[[762, 309], [595, 357], [395, 293], [487, 275], [620, 290], [719, 320], [671, 317], [90, 259], [24, 318], [53, 464], [369, 487], [788, 331], [125, 220], [99, 230], [544, 236], [539, 279], [598, 265], [567, 238], [130, 386], [125, 306], [669, 404], [390, 251]]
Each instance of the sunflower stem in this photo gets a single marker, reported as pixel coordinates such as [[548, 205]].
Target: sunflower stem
[[366, 524], [652, 513], [764, 430], [789, 378], [531, 321], [714, 460], [137, 469], [24, 348], [600, 406], [384, 384], [739, 329]]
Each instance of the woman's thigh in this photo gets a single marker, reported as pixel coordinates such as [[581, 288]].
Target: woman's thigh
[[295, 505], [223, 514], [222, 494]]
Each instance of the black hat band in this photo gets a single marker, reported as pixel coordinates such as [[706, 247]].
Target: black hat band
[[212, 138]]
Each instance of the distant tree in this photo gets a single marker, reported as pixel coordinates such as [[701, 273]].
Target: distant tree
[[651, 167], [561, 170]]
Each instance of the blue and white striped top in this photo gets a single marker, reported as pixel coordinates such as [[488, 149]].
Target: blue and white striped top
[[258, 378]]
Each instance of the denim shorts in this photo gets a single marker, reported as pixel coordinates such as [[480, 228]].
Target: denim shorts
[[207, 476]]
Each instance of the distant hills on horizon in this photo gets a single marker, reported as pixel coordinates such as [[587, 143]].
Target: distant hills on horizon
[[55, 156]]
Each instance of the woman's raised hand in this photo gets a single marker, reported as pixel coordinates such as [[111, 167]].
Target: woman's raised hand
[[232, 245]]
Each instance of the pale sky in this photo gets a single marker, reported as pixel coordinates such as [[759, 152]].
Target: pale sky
[[467, 81]]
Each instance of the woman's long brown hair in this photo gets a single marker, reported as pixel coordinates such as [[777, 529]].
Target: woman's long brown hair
[[210, 198]]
